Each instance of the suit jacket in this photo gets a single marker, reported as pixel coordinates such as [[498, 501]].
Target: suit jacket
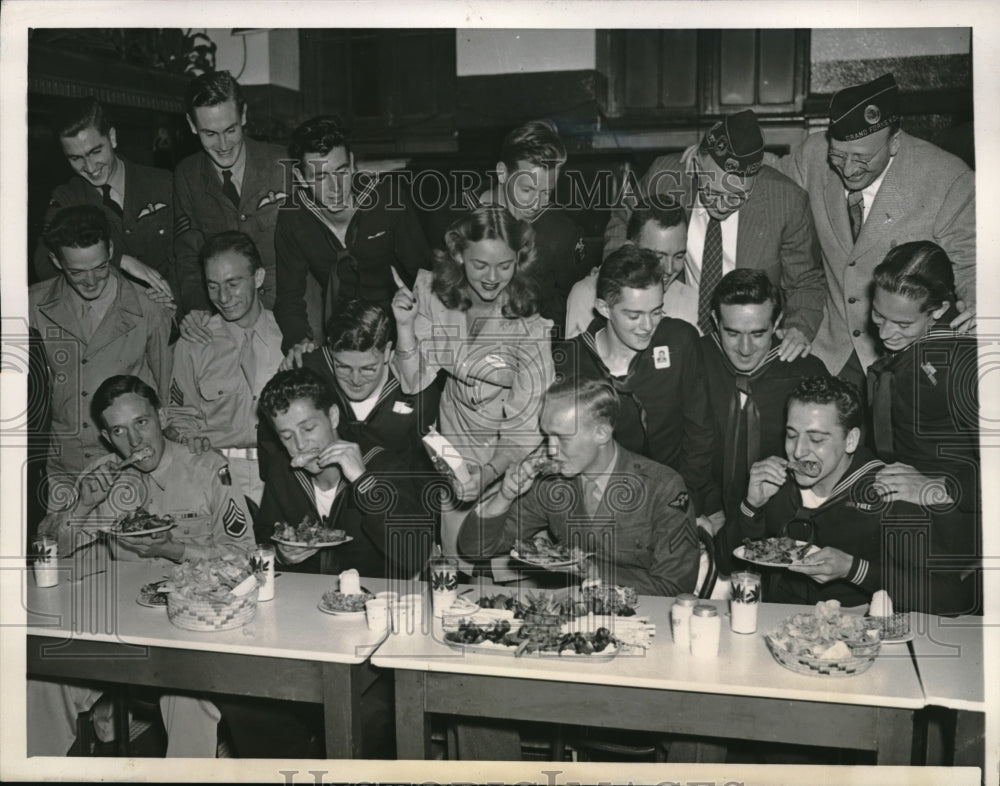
[[131, 339], [142, 231], [644, 516], [202, 210], [776, 235], [927, 194]]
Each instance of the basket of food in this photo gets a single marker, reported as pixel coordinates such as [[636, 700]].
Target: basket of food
[[212, 594], [826, 643]]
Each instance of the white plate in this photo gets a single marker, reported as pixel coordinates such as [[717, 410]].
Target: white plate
[[321, 545], [740, 550], [337, 613], [489, 648], [143, 602], [141, 533], [549, 564]]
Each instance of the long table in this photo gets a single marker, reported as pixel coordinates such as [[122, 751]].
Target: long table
[[949, 659], [742, 694], [94, 629]]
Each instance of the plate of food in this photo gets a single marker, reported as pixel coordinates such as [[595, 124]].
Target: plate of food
[[825, 642], [139, 523], [350, 605], [309, 534], [516, 640], [150, 595], [542, 553], [775, 552]]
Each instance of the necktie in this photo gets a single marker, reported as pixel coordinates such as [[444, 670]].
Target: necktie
[[247, 360], [229, 188], [88, 322], [880, 396], [743, 424], [856, 212], [591, 497], [711, 274], [109, 201]]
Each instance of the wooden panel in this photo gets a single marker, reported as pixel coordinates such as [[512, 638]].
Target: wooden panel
[[679, 68], [776, 80], [737, 67], [642, 66], [698, 714]]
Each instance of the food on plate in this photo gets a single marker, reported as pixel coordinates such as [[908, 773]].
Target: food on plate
[[209, 579], [827, 633], [303, 459], [892, 625], [308, 532], [810, 469], [604, 599], [543, 552], [150, 593], [783, 551], [532, 637], [140, 520], [334, 600]]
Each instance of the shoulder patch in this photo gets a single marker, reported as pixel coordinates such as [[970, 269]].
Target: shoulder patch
[[233, 519], [224, 477], [681, 501], [181, 224], [176, 394]]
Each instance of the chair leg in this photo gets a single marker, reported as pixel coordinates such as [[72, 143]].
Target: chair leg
[[120, 699]]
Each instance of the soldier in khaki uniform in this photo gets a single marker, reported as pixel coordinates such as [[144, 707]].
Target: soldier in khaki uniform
[[90, 323], [212, 521]]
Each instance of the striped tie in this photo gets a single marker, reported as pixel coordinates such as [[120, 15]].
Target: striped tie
[[711, 274]]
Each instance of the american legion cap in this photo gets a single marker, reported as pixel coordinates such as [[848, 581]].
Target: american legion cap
[[736, 143], [860, 110]]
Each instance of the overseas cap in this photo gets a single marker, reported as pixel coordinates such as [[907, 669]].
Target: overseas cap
[[736, 143], [860, 110]]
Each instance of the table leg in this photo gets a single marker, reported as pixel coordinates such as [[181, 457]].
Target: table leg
[[970, 739], [342, 689], [895, 737], [413, 732]]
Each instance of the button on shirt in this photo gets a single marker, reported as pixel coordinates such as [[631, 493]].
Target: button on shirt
[[210, 394]]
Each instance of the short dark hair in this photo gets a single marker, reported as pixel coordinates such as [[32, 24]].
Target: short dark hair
[[745, 286], [489, 222], [78, 114], [666, 216], [536, 142], [360, 326], [318, 135], [297, 383], [920, 270], [593, 396], [79, 226], [627, 267], [211, 89], [231, 241], [831, 390], [113, 387]]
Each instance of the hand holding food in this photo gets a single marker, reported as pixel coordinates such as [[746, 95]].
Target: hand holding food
[[346, 455], [766, 477], [827, 564]]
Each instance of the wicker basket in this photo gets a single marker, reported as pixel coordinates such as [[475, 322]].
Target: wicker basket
[[863, 655], [895, 626], [208, 615]]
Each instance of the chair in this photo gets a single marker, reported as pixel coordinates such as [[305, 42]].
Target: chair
[[708, 573]]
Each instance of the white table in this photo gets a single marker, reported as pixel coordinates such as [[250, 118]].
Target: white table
[[743, 694], [94, 630], [949, 658]]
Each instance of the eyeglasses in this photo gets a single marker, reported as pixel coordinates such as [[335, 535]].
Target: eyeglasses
[[80, 275], [840, 160], [365, 373]]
